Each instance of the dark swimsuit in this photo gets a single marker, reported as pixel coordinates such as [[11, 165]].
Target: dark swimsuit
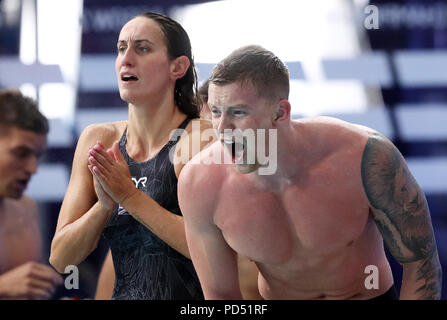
[[145, 266], [391, 294]]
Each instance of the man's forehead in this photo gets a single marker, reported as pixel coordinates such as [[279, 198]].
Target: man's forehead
[[237, 86], [234, 93], [17, 136]]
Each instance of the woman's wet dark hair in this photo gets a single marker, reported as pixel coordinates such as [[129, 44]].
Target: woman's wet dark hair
[[178, 44]]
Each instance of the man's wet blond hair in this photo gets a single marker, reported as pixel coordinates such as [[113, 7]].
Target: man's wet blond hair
[[257, 66]]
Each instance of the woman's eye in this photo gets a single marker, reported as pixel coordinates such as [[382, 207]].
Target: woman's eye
[[121, 49]]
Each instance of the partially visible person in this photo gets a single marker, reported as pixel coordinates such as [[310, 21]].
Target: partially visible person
[[205, 112], [23, 139]]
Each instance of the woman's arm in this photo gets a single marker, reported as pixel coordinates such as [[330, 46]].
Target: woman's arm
[[82, 216], [106, 280]]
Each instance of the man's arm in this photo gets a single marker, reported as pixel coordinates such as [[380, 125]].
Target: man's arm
[[401, 213], [213, 259]]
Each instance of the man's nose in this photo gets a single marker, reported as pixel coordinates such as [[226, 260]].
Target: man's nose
[[31, 165], [225, 123]]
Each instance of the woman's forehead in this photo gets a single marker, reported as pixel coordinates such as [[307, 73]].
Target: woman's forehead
[[141, 28]]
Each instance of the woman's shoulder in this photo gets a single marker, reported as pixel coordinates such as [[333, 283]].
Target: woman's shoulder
[[107, 132]]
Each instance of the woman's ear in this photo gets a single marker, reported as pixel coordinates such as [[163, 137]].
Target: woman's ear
[[282, 111], [179, 66]]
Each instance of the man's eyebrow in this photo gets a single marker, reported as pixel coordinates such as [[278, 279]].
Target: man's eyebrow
[[29, 150], [22, 148], [236, 106]]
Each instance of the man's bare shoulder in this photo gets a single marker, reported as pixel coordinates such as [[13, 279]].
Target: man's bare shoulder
[[204, 172], [335, 133], [202, 163], [24, 203], [199, 186], [331, 125], [27, 202], [23, 209]]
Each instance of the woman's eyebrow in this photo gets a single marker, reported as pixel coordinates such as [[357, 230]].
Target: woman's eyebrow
[[138, 41]]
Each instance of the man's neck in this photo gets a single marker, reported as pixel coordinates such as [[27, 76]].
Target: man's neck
[[2, 203], [295, 154]]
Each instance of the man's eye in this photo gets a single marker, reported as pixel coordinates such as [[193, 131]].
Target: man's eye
[[21, 154], [239, 113], [215, 113], [143, 49]]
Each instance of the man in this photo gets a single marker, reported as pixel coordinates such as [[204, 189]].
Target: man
[[205, 112], [23, 131], [315, 226]]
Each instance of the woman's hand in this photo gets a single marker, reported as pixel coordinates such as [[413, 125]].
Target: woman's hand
[[107, 203], [112, 172]]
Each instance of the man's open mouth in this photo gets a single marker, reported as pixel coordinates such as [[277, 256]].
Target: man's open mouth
[[22, 183], [236, 149]]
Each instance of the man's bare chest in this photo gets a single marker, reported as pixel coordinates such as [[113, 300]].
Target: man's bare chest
[[19, 242], [314, 218]]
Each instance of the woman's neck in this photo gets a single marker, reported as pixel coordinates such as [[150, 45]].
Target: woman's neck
[[149, 128]]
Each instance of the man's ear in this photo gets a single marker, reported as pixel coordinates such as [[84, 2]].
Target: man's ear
[[179, 66], [282, 111]]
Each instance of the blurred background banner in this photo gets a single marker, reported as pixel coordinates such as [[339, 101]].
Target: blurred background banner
[[10, 19], [102, 20], [380, 63]]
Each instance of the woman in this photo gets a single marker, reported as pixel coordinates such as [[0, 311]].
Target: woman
[[123, 184]]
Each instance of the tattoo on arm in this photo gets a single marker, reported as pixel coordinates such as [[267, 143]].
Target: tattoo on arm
[[401, 212]]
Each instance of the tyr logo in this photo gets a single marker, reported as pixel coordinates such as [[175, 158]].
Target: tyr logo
[[142, 180]]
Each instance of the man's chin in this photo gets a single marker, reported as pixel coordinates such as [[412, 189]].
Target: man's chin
[[14, 194], [245, 168]]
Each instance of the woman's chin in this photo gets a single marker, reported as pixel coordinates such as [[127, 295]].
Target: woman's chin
[[129, 97]]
